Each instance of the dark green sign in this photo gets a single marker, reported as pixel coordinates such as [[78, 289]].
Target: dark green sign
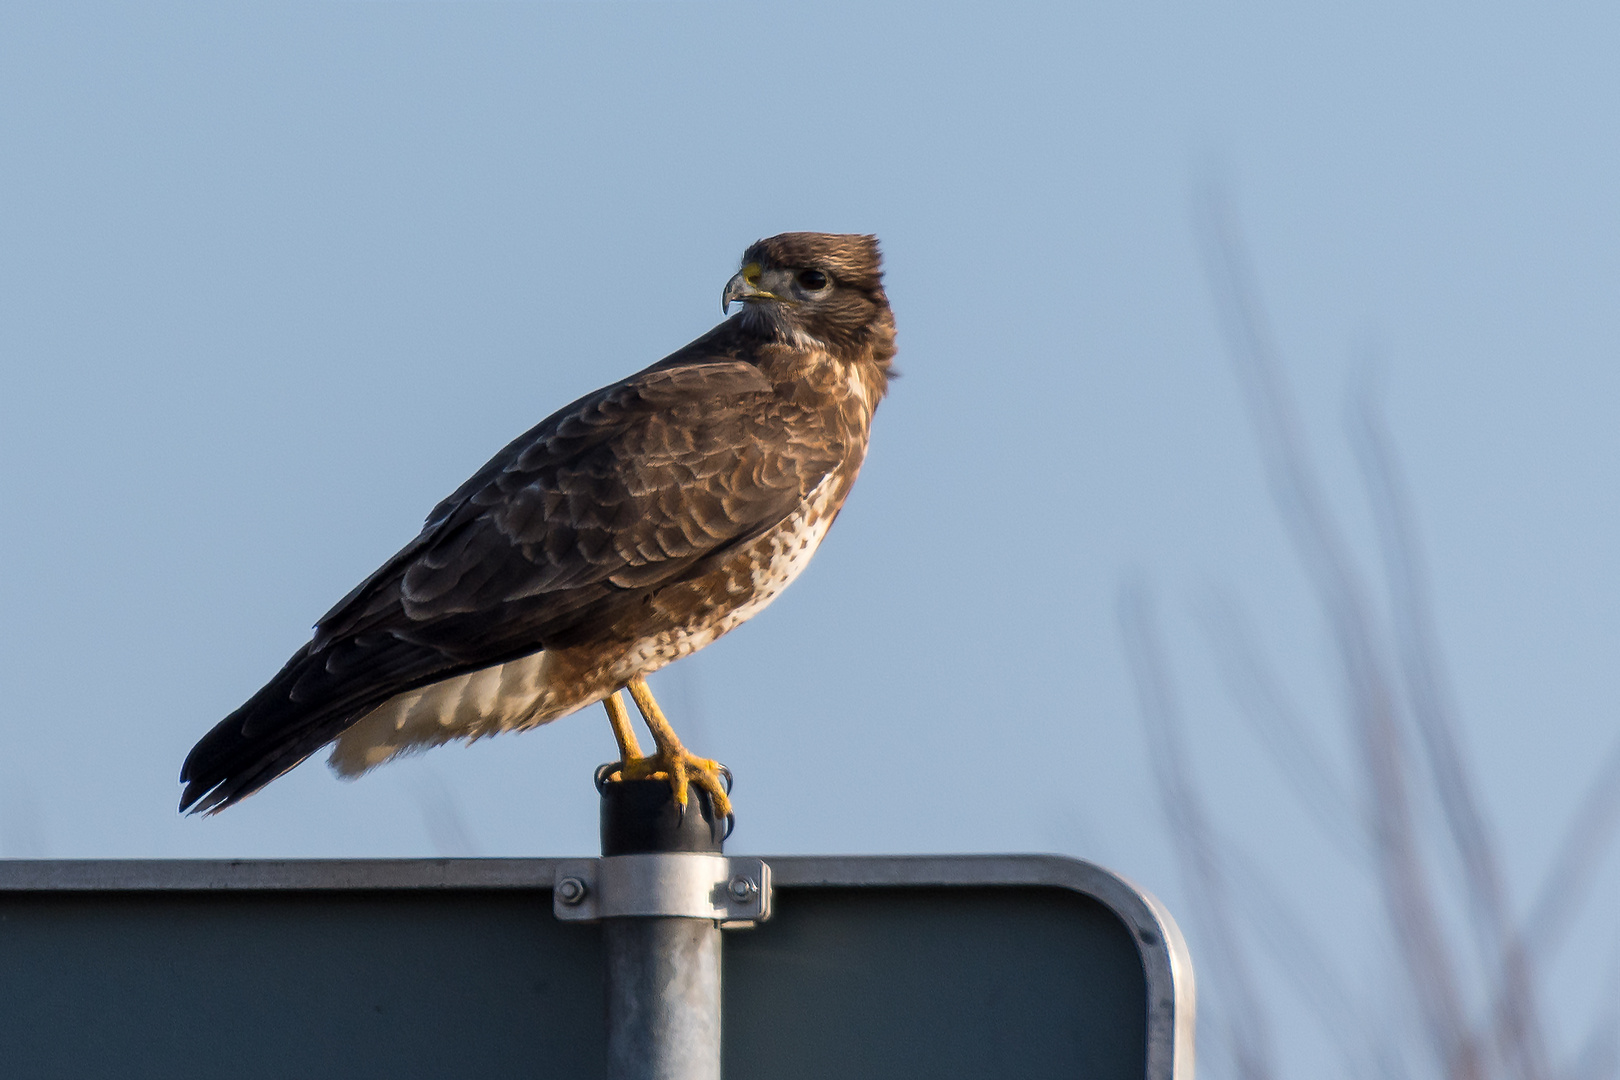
[[1023, 966]]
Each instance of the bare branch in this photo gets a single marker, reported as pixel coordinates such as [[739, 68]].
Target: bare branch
[[1518, 1031], [1588, 837], [1295, 951], [1196, 845], [1408, 899], [1281, 730], [1599, 1058]]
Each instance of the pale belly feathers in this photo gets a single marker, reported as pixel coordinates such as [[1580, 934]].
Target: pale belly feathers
[[527, 692]]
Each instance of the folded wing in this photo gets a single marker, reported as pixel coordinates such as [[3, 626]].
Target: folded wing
[[642, 484]]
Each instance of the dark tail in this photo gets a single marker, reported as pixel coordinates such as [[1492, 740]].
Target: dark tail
[[310, 702]]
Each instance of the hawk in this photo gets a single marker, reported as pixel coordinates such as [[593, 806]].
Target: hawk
[[623, 532]]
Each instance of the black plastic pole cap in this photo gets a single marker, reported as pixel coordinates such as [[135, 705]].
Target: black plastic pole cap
[[640, 817]]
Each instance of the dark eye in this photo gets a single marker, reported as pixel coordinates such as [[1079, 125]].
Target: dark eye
[[813, 280]]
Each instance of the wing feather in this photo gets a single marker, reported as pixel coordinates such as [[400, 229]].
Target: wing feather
[[626, 490]]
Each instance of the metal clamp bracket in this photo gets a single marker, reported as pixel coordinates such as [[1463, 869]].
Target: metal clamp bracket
[[734, 892]]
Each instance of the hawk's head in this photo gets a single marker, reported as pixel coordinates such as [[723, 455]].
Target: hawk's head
[[824, 289]]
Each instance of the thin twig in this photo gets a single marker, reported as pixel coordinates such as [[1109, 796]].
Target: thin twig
[[1294, 950], [1516, 1022], [1599, 1057], [1588, 837], [1408, 897], [1195, 842], [1300, 759]]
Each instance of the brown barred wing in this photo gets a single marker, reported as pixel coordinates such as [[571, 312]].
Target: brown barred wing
[[643, 484]]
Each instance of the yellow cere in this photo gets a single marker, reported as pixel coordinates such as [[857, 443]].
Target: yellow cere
[[751, 273]]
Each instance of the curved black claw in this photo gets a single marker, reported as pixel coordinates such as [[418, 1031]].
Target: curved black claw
[[731, 818]]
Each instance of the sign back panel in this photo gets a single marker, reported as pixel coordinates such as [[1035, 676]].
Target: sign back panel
[[1029, 966]]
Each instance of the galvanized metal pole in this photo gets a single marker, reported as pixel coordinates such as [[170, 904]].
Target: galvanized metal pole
[[662, 892], [663, 973], [663, 999]]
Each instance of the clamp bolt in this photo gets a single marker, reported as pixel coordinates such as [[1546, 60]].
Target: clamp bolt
[[742, 888], [571, 890]]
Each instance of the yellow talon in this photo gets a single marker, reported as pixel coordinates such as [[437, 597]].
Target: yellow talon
[[671, 762], [679, 770]]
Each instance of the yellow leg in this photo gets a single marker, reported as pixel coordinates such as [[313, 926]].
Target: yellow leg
[[672, 758], [619, 718]]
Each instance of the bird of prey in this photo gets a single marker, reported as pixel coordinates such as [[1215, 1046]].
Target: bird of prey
[[623, 532]]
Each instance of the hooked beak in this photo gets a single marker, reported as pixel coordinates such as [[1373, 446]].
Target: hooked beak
[[743, 286]]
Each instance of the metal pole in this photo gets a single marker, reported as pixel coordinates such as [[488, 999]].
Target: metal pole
[[663, 999], [662, 973]]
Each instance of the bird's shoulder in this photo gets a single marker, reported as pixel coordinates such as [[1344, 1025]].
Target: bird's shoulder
[[716, 383]]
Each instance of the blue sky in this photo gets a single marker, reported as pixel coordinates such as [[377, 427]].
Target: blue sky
[[276, 278]]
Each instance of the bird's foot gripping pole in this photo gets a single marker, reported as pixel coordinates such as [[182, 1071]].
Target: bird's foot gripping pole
[[681, 771], [671, 763], [662, 892]]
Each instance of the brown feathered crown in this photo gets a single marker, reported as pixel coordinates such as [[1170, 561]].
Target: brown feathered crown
[[849, 258]]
